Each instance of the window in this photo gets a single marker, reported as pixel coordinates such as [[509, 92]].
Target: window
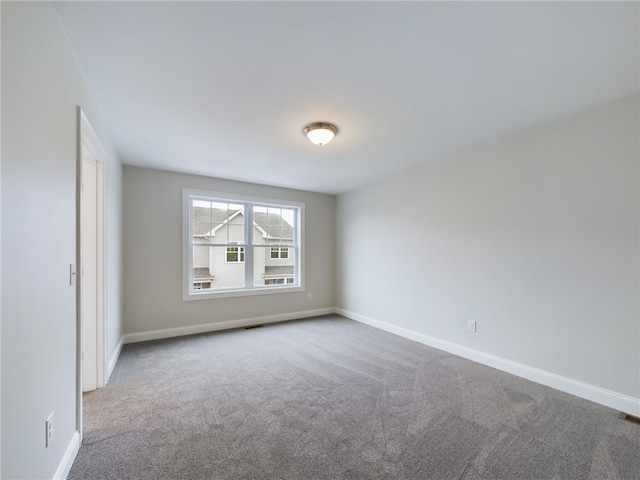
[[279, 252], [277, 281], [235, 254], [238, 245]]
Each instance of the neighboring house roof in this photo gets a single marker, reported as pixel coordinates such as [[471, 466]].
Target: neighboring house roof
[[278, 270], [205, 219], [273, 221], [201, 272], [208, 220]]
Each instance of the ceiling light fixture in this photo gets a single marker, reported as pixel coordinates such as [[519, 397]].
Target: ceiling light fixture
[[320, 133]]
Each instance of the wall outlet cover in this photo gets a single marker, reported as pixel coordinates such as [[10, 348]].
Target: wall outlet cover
[[48, 427]]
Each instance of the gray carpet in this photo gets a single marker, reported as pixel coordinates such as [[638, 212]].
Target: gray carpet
[[329, 398]]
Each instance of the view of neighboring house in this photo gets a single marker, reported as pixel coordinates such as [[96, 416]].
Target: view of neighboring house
[[218, 259]]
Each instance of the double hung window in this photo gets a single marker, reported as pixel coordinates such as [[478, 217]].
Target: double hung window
[[237, 245]]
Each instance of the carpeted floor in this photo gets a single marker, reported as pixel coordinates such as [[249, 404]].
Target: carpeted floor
[[329, 398]]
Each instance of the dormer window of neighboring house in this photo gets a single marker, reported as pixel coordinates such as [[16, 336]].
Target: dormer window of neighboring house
[[236, 245]]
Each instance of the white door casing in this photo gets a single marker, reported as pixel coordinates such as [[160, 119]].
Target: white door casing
[[89, 271], [91, 295]]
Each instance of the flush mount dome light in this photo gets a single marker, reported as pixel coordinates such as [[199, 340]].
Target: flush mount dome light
[[320, 133]]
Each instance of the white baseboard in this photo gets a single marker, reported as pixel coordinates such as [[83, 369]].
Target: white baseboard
[[213, 327], [599, 395], [68, 458], [114, 358]]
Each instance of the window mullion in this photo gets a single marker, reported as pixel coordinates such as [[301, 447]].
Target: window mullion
[[191, 247], [248, 251]]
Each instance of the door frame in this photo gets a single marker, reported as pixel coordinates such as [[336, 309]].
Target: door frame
[[87, 138]]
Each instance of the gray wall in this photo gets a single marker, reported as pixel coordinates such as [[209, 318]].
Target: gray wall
[[534, 236], [153, 254], [41, 87]]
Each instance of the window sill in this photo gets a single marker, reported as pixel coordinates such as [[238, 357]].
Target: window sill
[[245, 292]]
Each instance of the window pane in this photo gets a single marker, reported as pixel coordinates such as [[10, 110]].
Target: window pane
[[260, 225], [236, 233], [273, 225], [211, 269], [274, 271], [276, 236], [288, 225], [217, 222], [201, 257]]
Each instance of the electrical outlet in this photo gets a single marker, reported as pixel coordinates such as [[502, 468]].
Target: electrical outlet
[[309, 296], [48, 430], [471, 325]]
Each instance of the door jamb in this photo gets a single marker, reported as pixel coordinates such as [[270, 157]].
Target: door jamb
[[86, 137]]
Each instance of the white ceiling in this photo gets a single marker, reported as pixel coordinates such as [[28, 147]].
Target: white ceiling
[[225, 88]]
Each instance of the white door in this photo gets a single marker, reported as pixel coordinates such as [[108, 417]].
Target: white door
[[89, 271]]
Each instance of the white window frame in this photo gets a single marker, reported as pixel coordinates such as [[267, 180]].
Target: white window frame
[[188, 291]]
